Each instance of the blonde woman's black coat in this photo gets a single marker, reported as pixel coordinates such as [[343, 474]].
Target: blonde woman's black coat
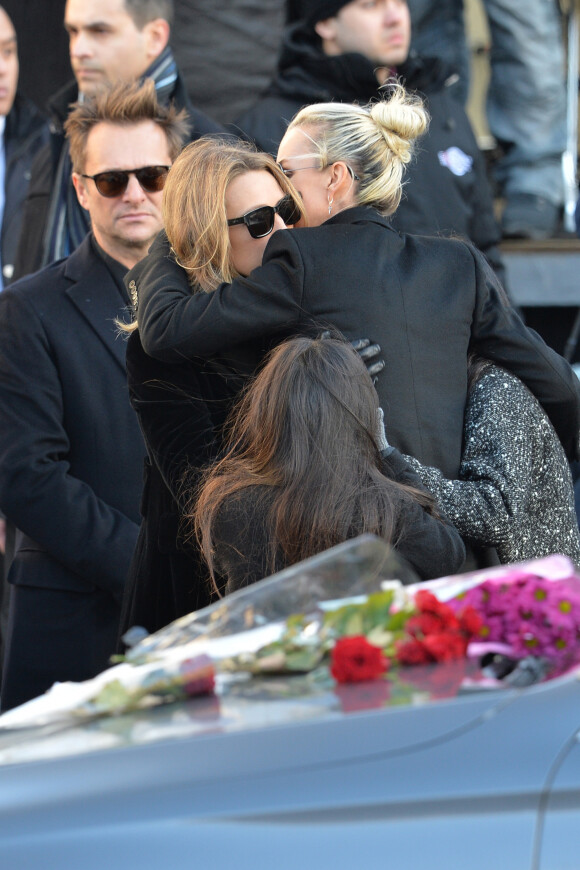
[[426, 301]]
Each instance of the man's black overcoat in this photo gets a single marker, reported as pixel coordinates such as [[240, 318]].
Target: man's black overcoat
[[71, 453]]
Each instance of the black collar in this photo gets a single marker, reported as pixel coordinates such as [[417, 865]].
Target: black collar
[[116, 269]]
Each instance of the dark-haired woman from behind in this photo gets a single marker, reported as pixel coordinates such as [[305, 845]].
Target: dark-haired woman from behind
[[303, 472]]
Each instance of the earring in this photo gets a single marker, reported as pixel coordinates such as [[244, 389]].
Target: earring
[[330, 201]]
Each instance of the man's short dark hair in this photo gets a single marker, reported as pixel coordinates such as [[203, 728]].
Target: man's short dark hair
[[143, 11], [124, 104]]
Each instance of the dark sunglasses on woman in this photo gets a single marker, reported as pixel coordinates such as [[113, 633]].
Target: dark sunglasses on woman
[[260, 221], [115, 181]]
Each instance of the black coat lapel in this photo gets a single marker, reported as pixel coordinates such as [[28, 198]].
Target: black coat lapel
[[94, 294]]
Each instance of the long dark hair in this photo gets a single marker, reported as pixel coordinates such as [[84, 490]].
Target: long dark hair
[[303, 435]]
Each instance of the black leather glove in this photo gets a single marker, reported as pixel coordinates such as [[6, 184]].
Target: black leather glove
[[368, 353]]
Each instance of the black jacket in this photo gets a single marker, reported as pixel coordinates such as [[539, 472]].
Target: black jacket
[[67, 432], [181, 411], [424, 300], [71, 463], [447, 191], [25, 133], [37, 210], [242, 536]]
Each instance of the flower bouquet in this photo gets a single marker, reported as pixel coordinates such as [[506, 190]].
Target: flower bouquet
[[354, 614], [195, 654], [521, 626]]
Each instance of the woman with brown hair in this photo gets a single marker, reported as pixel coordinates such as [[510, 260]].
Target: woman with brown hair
[[303, 472]]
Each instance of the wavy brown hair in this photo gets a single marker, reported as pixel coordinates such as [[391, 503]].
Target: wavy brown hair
[[304, 434]]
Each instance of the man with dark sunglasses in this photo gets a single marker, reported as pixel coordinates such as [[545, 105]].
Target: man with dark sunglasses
[[71, 453]]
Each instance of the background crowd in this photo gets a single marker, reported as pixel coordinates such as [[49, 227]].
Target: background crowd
[[91, 544]]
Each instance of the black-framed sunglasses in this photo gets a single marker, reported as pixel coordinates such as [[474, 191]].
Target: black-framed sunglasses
[[260, 221], [115, 181]]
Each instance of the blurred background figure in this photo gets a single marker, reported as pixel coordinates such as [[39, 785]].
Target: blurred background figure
[[227, 51], [344, 51], [526, 101], [39, 22], [23, 131]]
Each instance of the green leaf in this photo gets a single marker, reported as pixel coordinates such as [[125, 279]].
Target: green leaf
[[304, 659], [379, 637], [113, 696]]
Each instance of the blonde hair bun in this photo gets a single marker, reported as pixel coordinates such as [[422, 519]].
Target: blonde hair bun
[[375, 141], [401, 119]]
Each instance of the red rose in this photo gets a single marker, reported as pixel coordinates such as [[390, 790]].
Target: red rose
[[354, 659], [412, 652], [424, 624], [448, 617], [445, 647], [426, 602], [470, 621]]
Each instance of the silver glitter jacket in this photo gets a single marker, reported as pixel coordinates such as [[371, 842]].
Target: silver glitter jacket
[[515, 491]]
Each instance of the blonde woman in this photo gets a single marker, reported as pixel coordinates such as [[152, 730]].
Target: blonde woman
[[426, 301]]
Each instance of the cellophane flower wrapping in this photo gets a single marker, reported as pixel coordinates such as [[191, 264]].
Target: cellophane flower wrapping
[[356, 611], [272, 626]]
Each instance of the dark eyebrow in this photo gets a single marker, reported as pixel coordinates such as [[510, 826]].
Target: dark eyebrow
[[92, 25], [10, 41]]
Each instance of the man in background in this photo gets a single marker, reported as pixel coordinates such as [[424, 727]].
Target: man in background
[[23, 131], [345, 51], [526, 100], [110, 41]]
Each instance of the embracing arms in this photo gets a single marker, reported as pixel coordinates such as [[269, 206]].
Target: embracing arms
[[177, 324], [431, 545]]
